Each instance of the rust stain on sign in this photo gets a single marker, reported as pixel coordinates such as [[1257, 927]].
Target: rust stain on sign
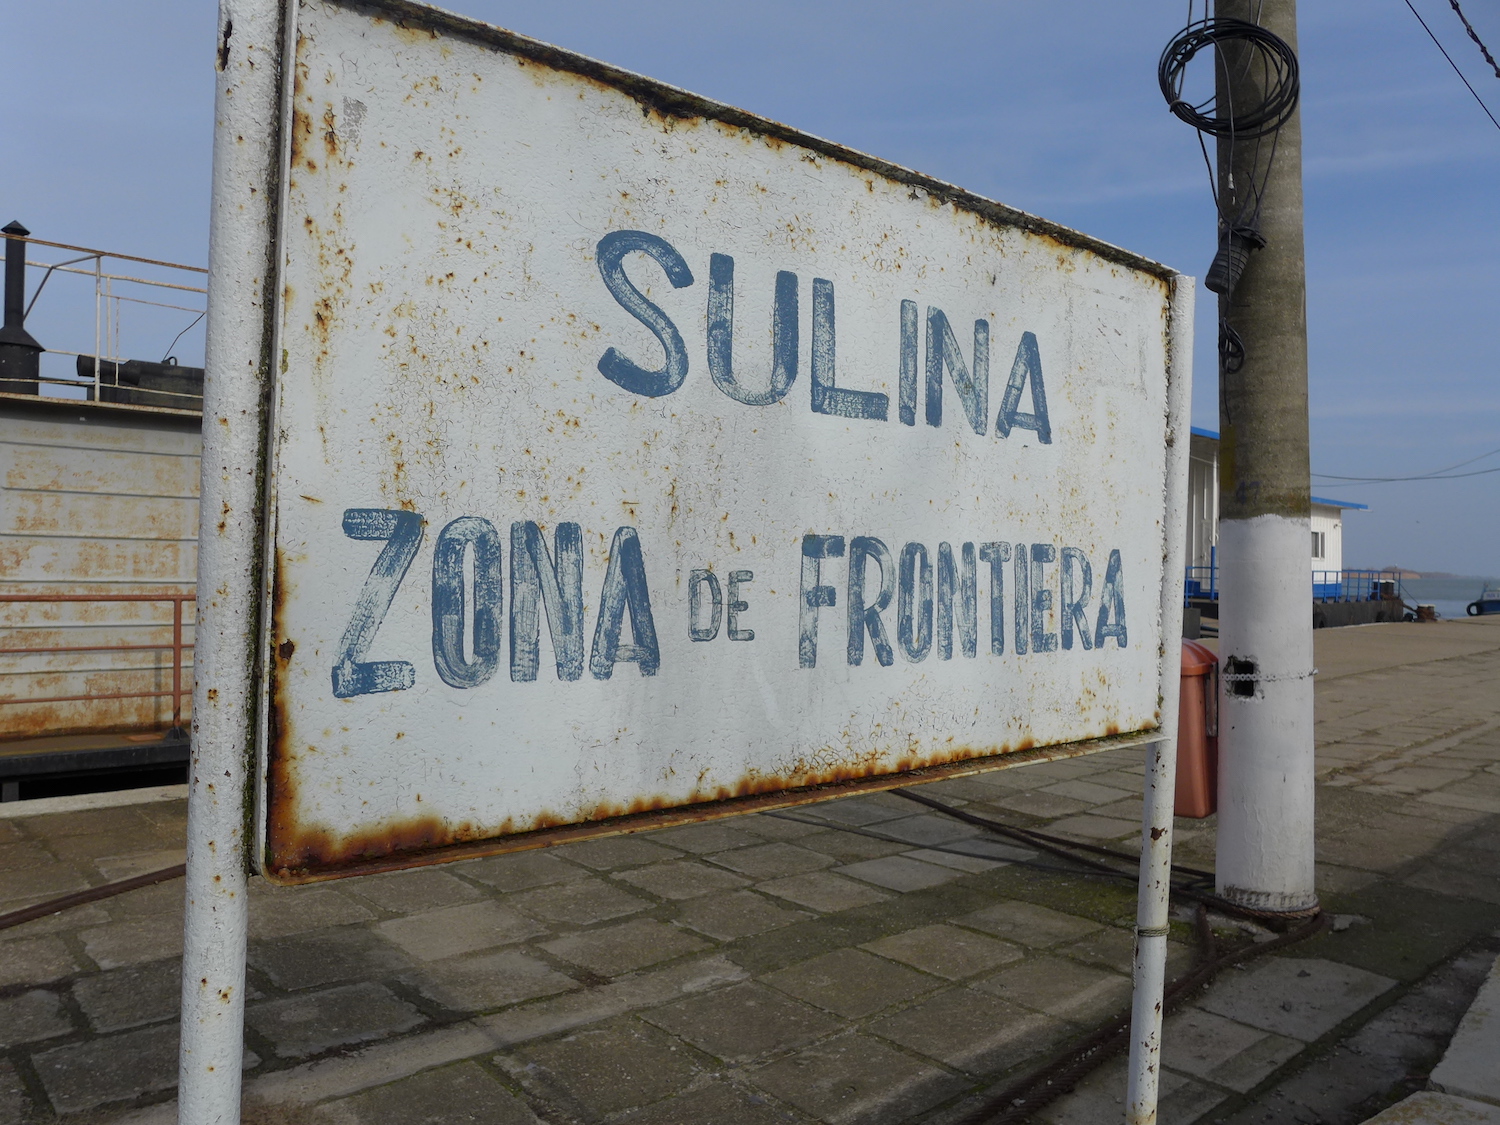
[[298, 853], [639, 460]]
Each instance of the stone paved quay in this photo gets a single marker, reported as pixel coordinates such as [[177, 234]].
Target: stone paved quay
[[864, 960]]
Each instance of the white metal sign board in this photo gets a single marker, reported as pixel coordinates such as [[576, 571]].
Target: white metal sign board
[[631, 453]]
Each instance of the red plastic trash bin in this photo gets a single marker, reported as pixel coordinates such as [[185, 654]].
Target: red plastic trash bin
[[1198, 733]]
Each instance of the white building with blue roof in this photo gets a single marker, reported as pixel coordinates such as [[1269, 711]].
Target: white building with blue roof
[[1329, 580]]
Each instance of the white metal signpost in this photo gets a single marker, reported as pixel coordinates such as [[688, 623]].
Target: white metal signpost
[[592, 455]]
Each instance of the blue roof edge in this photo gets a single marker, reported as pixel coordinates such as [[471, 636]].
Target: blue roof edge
[[1199, 431], [1341, 504]]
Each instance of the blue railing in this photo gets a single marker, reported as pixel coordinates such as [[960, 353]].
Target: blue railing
[[1355, 586], [1202, 582]]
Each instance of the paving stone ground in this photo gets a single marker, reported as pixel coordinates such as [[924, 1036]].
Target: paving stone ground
[[861, 961]]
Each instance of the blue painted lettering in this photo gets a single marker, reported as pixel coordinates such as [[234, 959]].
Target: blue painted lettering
[[609, 255], [828, 398], [914, 607], [944, 356], [537, 582], [908, 385], [402, 532], [625, 590], [997, 555], [1041, 598], [961, 581], [466, 535], [864, 615], [721, 334], [1021, 576], [1112, 605], [1073, 604], [738, 605], [1027, 367], [943, 352], [696, 629], [813, 594]]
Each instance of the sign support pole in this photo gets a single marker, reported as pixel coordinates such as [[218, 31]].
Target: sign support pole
[[1153, 902], [230, 540]]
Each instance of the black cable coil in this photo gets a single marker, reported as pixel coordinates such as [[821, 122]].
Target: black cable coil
[[1244, 47], [1243, 123]]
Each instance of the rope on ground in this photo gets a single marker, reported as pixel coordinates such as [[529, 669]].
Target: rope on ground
[[1018, 1101], [1053, 1079], [93, 894], [1029, 1094], [1059, 846]]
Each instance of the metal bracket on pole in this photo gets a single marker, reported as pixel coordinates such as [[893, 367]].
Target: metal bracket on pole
[[1153, 902], [230, 541]]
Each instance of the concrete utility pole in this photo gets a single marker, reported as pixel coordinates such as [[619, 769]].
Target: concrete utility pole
[[1265, 852]]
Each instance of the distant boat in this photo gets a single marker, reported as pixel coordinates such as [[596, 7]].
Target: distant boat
[[1487, 602]]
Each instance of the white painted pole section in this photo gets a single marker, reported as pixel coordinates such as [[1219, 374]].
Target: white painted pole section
[[1266, 778], [229, 564], [1153, 902]]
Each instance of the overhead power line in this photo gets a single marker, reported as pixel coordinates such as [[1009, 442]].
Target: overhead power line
[[1461, 464], [1445, 473], [1474, 35], [1453, 64], [1388, 480]]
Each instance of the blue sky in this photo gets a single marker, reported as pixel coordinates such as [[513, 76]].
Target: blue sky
[[1049, 107]]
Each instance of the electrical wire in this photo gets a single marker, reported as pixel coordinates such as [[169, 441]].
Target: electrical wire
[[1433, 475], [1231, 348], [183, 333], [1474, 35], [1453, 64], [1470, 461], [1393, 480]]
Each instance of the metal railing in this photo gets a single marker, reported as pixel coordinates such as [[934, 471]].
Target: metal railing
[[177, 647], [1355, 585], [1202, 582], [98, 372]]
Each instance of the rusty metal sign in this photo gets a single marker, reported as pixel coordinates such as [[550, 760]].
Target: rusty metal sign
[[632, 453]]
